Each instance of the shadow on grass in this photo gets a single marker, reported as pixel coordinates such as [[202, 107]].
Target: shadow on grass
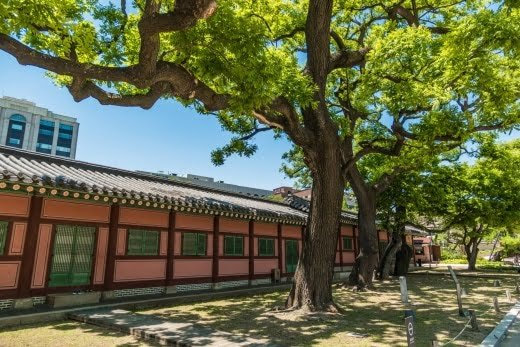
[[379, 314]]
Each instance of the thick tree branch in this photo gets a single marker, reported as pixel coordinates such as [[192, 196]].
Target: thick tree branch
[[348, 58], [185, 15]]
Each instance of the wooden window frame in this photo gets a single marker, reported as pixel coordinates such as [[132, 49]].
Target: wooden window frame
[[143, 250], [197, 235], [260, 239], [234, 253], [343, 239]]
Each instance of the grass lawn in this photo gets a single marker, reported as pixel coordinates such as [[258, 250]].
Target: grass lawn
[[377, 314], [375, 317], [66, 333]]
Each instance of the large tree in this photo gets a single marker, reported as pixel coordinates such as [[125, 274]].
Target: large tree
[[474, 201], [343, 80]]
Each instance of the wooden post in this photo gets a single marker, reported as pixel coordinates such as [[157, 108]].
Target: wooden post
[[463, 292], [473, 320], [340, 240], [251, 251], [453, 275], [517, 288], [508, 295], [280, 263], [215, 265], [404, 289], [459, 299], [171, 251], [495, 304], [31, 241], [435, 343], [112, 247]]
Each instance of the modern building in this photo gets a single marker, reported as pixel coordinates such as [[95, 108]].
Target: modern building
[[27, 126]]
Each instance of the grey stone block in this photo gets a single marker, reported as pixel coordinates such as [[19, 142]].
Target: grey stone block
[[23, 303], [64, 300]]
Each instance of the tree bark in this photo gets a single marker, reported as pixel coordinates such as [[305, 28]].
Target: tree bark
[[312, 286], [366, 262], [402, 258], [398, 229], [386, 261], [471, 249]]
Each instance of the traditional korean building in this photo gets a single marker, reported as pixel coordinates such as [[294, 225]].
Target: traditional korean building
[[68, 226]]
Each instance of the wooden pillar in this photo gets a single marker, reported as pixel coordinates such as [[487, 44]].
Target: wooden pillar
[[216, 227], [354, 229], [112, 247], [31, 241], [413, 251], [251, 250], [171, 248], [340, 240], [378, 240], [280, 263]]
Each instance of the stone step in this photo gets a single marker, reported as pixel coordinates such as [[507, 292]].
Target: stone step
[[163, 331]]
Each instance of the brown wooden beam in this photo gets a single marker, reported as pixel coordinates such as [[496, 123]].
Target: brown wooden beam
[[29, 250], [216, 228], [354, 236], [171, 248], [112, 247], [280, 264], [340, 240], [251, 249]]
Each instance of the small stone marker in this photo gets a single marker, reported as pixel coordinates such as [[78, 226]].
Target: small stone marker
[[508, 295], [495, 303], [410, 331], [435, 344], [459, 299], [473, 320], [517, 288], [496, 283], [404, 289]]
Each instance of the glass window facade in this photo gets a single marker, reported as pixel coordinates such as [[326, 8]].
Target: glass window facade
[[64, 144], [45, 136], [266, 247], [234, 245], [143, 242], [16, 131], [193, 244]]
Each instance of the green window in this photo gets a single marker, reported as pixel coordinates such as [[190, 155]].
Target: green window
[[143, 242], [193, 244], [72, 255], [347, 243], [266, 247], [233, 245], [3, 236]]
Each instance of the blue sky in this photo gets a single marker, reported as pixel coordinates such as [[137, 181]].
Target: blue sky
[[167, 137]]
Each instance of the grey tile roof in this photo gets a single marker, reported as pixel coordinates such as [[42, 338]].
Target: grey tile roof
[[304, 205], [35, 169]]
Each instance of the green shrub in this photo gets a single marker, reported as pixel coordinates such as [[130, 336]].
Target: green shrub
[[510, 245]]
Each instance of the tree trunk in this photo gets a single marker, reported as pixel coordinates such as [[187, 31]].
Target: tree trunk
[[402, 258], [471, 249], [366, 262], [386, 261], [312, 286], [398, 229]]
